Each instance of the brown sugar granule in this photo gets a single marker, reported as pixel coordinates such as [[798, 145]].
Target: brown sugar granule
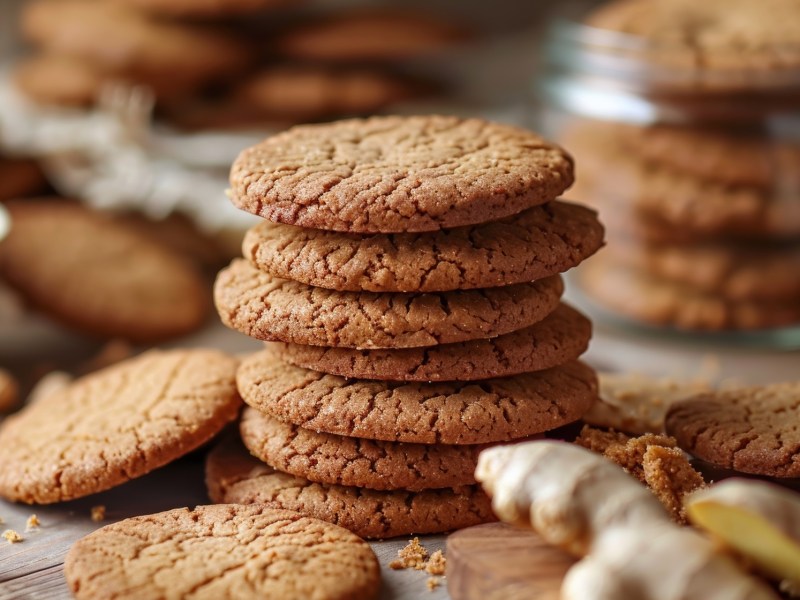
[[412, 556], [32, 523], [432, 583], [98, 513], [436, 563], [651, 458], [11, 536]]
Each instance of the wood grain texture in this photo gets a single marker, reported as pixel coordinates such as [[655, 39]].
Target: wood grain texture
[[500, 562]]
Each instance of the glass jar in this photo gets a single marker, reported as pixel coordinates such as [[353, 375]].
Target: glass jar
[[693, 162]]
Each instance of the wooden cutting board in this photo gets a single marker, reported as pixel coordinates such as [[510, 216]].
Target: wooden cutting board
[[497, 561]]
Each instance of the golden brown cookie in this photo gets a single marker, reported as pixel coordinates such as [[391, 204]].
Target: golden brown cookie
[[232, 475], [224, 551], [272, 309], [20, 177], [59, 80], [560, 338], [298, 93], [751, 430], [339, 460], [368, 35], [116, 424], [534, 244], [395, 174], [206, 9], [644, 297], [493, 410], [117, 39], [99, 276]]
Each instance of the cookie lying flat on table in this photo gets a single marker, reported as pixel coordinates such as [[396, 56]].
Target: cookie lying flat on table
[[232, 475], [437, 413], [272, 309], [96, 275], [223, 551], [751, 430], [394, 174], [335, 459], [537, 243], [116, 424], [562, 336]]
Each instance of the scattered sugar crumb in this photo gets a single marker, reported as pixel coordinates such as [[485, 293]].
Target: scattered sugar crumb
[[98, 513], [413, 556], [32, 523], [436, 563], [11, 536], [432, 583]]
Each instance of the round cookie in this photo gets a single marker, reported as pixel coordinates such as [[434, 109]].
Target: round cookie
[[116, 424], [561, 337], [205, 9], [494, 410], [232, 475], [340, 460], [272, 309], [301, 93], [751, 430], [395, 174], [117, 39], [363, 36], [20, 177], [223, 551], [534, 244], [769, 272], [59, 80], [99, 276], [647, 298]]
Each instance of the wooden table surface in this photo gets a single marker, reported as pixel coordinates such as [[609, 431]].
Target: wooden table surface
[[32, 569]]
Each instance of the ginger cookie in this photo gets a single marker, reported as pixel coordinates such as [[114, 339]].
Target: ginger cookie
[[396, 174], [97, 275], [751, 430], [367, 35], [205, 9], [223, 551], [768, 272], [232, 475], [643, 297], [116, 424], [534, 244], [340, 460], [560, 338], [117, 39], [493, 410], [20, 177], [59, 80], [272, 309]]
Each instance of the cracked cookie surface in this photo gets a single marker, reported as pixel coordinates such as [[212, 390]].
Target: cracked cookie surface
[[493, 410], [560, 337], [116, 424], [751, 430], [394, 174], [272, 309], [341, 460], [223, 552], [537, 243], [232, 475]]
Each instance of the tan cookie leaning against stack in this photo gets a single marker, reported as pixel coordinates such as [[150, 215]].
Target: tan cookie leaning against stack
[[409, 266]]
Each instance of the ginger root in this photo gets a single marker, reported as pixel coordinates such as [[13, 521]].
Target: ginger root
[[579, 501], [759, 520]]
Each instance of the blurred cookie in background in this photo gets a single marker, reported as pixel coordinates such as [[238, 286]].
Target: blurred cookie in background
[[206, 9]]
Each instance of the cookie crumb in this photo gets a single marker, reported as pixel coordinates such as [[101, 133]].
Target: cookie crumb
[[11, 536], [98, 513], [432, 583], [32, 523], [436, 563], [413, 556]]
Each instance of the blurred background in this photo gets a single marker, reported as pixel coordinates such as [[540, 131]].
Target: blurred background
[[119, 120]]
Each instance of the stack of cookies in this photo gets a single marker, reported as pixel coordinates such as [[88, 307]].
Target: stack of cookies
[[701, 202], [409, 270]]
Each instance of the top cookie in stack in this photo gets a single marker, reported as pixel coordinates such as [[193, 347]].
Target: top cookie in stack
[[400, 259]]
